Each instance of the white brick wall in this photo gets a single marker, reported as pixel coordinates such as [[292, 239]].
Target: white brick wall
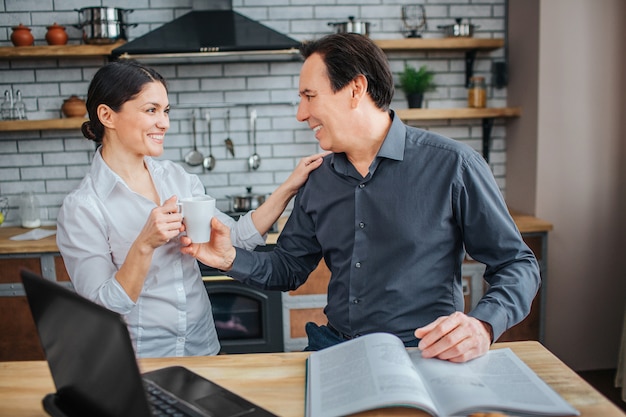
[[50, 163]]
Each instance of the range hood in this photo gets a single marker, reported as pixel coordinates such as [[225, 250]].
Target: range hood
[[213, 34]]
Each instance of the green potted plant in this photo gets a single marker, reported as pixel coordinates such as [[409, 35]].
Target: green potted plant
[[416, 82]]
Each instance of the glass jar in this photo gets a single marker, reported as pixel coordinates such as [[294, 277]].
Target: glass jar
[[29, 210], [477, 93]]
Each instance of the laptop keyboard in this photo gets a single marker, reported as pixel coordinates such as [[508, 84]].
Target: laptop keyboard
[[163, 403]]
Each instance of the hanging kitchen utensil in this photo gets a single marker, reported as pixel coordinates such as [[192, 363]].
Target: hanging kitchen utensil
[[194, 157], [254, 160], [209, 161], [230, 147]]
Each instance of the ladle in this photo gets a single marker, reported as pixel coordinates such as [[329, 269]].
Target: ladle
[[194, 157], [209, 161], [230, 147], [254, 160]]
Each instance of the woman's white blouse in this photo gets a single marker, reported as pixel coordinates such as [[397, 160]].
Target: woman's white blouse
[[97, 224]]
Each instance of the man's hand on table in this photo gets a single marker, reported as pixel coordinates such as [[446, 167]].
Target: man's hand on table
[[455, 338]]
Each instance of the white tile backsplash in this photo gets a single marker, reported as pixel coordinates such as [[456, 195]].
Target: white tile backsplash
[[52, 162]]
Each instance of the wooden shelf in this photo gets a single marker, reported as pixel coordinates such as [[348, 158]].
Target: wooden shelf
[[460, 113], [439, 44], [48, 124], [416, 44], [487, 115], [405, 114], [60, 51]]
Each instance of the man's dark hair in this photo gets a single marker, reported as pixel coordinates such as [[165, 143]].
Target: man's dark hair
[[348, 55]]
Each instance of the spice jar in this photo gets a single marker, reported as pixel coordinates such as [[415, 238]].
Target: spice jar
[[477, 93], [21, 36], [56, 35]]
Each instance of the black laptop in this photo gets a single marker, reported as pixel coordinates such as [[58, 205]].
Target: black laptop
[[93, 365]]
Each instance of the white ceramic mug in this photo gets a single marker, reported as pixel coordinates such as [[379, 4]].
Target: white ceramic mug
[[197, 214]]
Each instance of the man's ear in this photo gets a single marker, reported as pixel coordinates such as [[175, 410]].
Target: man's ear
[[359, 88], [106, 116]]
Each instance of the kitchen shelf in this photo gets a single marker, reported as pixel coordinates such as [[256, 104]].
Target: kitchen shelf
[[460, 113], [61, 51], [487, 115], [471, 46], [45, 124], [439, 44]]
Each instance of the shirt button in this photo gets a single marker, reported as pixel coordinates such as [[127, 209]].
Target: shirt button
[[181, 340], [358, 264], [356, 301], [361, 185], [362, 225]]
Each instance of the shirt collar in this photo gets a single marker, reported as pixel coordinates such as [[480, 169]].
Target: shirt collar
[[392, 147], [105, 179]]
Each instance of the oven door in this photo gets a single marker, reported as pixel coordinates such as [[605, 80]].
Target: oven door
[[247, 319]]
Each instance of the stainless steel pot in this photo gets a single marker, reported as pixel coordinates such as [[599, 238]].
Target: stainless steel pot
[[88, 15], [351, 26], [459, 30], [102, 25], [102, 33], [248, 201]]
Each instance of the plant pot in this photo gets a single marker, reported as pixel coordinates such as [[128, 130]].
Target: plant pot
[[415, 100]]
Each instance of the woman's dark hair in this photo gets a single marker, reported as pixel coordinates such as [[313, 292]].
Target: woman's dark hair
[[348, 55], [114, 84]]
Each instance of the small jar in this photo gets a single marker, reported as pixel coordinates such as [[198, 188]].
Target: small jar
[[29, 210], [56, 35], [22, 36], [477, 93], [74, 107]]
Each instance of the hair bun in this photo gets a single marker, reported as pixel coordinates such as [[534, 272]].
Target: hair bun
[[88, 131]]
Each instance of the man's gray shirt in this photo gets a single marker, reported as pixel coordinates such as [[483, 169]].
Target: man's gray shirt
[[395, 240]]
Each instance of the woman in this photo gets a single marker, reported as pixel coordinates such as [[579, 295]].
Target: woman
[[118, 232]]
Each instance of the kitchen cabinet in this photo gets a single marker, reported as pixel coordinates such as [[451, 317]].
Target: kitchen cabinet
[[19, 337]]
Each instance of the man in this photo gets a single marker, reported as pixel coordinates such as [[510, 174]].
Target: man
[[392, 211]]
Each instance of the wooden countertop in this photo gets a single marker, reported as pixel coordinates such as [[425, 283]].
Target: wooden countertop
[[7, 246], [526, 224], [275, 381]]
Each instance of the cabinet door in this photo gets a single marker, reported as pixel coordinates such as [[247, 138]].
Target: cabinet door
[[19, 339]]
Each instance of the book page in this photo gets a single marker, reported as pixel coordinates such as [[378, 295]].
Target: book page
[[497, 381], [369, 372]]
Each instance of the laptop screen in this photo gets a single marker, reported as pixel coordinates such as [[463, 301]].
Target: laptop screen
[[88, 350]]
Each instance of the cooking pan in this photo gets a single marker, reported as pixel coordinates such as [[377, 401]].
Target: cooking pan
[[248, 201]]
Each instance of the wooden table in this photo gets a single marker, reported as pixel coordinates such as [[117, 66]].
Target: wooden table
[[276, 381]]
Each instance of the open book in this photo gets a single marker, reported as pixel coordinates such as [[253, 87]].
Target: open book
[[377, 371]]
